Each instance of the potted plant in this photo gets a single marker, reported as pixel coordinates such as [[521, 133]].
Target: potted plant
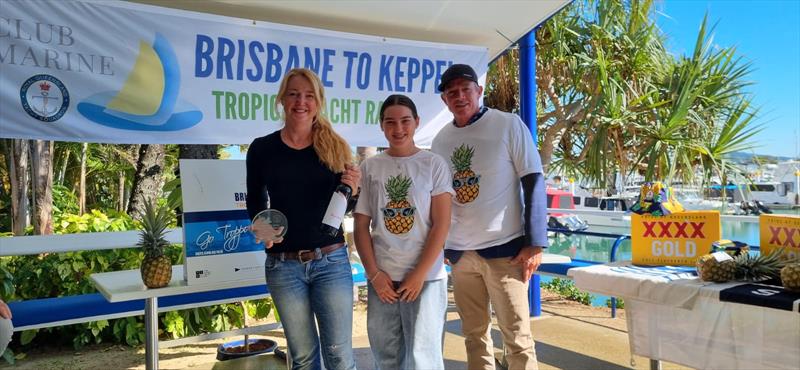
[[247, 347]]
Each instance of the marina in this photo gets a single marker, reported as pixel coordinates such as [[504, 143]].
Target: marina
[[164, 166]]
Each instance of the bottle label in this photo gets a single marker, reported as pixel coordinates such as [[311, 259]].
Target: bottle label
[[336, 209]]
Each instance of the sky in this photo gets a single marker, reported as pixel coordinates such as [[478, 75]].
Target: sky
[[765, 33]]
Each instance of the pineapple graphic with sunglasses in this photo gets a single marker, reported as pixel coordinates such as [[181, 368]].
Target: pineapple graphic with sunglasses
[[465, 182], [398, 216]]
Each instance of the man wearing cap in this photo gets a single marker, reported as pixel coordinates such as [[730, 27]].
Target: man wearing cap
[[499, 219]]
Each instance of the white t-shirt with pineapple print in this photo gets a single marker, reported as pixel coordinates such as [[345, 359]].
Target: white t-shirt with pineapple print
[[487, 159], [396, 193]]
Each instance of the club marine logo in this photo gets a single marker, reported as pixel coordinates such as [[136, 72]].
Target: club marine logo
[[148, 101], [44, 97]]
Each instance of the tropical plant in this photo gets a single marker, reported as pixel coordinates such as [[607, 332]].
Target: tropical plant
[[612, 102], [568, 290], [700, 116], [735, 134], [620, 303]]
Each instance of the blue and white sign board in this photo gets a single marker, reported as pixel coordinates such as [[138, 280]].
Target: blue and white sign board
[[119, 72], [217, 242]]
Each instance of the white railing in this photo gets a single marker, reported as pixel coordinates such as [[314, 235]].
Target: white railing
[[620, 214], [36, 244]]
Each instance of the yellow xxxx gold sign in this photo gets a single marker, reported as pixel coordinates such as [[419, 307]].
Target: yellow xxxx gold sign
[[780, 231], [676, 239]]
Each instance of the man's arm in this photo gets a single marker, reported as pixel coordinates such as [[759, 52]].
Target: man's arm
[[534, 198]]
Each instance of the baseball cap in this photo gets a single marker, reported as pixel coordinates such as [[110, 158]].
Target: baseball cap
[[457, 71]]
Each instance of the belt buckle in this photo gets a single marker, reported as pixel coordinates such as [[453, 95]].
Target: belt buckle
[[300, 256]]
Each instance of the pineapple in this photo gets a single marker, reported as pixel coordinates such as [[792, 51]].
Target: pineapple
[[465, 182], [790, 276], [710, 269], [763, 267], [156, 267], [396, 220]]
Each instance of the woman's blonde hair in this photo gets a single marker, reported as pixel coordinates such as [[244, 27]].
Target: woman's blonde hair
[[332, 150]]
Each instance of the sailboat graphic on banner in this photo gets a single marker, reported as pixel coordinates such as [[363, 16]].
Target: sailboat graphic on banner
[[148, 101]]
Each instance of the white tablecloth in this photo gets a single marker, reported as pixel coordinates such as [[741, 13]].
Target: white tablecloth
[[675, 317]]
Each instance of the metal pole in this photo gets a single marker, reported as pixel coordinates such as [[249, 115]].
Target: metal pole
[[151, 333], [655, 364], [797, 187], [527, 97], [612, 258], [527, 81], [535, 296]]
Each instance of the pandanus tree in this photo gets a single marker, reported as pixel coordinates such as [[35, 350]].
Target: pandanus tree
[[701, 116], [612, 101]]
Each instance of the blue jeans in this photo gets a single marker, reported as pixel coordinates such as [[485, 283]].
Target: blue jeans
[[321, 288], [408, 335], [6, 331]]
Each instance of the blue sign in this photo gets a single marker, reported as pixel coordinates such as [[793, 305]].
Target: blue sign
[[218, 232]]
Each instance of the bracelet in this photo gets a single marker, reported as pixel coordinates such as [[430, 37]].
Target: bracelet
[[374, 276]]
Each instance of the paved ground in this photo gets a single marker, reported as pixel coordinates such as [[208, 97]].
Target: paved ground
[[568, 336]]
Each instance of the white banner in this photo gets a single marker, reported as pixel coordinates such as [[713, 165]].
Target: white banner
[[119, 72]]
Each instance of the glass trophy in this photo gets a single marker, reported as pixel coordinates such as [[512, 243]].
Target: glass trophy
[[270, 225]]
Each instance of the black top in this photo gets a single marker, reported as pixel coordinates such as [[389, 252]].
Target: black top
[[298, 184]]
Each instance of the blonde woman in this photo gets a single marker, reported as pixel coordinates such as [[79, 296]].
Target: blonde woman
[[308, 271]]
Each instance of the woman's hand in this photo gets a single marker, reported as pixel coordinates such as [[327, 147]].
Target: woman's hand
[[382, 284], [351, 177], [263, 231], [411, 286]]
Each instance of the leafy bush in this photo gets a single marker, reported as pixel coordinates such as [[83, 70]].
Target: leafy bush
[[92, 222], [5, 212], [567, 289], [64, 200], [620, 303]]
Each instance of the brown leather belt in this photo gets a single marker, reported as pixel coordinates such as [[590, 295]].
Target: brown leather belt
[[306, 255]]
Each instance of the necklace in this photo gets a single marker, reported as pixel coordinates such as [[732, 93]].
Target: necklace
[[397, 164], [294, 142]]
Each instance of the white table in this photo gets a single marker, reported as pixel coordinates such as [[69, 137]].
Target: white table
[[675, 317], [120, 286], [555, 258]]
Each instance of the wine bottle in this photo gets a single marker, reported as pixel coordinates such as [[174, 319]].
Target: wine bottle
[[336, 209]]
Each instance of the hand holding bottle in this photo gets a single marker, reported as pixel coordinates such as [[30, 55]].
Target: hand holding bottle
[[334, 214], [351, 177]]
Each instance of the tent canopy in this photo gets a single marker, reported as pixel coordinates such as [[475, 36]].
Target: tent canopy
[[492, 24]]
